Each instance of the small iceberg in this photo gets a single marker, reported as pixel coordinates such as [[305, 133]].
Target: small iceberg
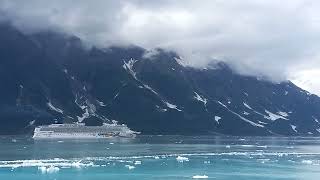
[[200, 177], [182, 159], [130, 167], [51, 169]]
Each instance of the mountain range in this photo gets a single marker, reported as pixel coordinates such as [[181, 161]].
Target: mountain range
[[50, 77]]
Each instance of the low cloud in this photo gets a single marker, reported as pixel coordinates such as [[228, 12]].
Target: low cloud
[[275, 39]]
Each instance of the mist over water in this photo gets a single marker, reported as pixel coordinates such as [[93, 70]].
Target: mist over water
[[161, 157]]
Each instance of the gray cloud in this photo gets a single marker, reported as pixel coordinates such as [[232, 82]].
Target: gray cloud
[[276, 39]]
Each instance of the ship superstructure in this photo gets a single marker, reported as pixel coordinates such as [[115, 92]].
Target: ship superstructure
[[80, 131]]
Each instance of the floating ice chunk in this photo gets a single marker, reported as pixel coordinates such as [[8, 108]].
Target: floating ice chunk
[[182, 159], [217, 119], [42, 169], [200, 177], [228, 146], [51, 169], [307, 162], [156, 157], [49, 104], [76, 164], [137, 162], [246, 113], [130, 167]]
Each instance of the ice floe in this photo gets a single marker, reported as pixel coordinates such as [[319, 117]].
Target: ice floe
[[182, 159], [46, 163], [130, 167], [50, 169], [200, 177]]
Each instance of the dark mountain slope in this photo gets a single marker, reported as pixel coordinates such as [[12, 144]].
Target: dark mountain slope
[[50, 77]]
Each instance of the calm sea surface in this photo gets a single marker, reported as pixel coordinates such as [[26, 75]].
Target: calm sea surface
[[160, 157]]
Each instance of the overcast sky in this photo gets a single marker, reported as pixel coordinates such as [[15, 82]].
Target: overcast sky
[[279, 39]]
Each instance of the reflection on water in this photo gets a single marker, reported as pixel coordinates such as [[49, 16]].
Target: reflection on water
[[159, 157]]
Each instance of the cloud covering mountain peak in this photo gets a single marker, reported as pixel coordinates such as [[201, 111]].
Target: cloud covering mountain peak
[[274, 39]]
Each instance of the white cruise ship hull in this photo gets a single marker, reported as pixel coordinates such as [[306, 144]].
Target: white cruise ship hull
[[80, 131]]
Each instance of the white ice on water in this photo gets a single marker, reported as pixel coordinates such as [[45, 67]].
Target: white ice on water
[[200, 177]]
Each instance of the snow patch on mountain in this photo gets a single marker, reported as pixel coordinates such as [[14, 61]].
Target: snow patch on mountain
[[315, 119], [222, 104], [53, 108], [284, 114], [246, 113], [161, 109], [199, 98], [149, 88], [217, 119], [172, 106], [84, 116], [128, 66], [65, 71], [241, 117], [293, 127], [246, 105], [181, 61], [101, 103], [273, 116]]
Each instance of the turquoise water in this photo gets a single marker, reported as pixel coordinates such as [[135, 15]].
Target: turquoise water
[[160, 157]]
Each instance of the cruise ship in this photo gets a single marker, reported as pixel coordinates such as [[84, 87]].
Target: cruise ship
[[80, 131]]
